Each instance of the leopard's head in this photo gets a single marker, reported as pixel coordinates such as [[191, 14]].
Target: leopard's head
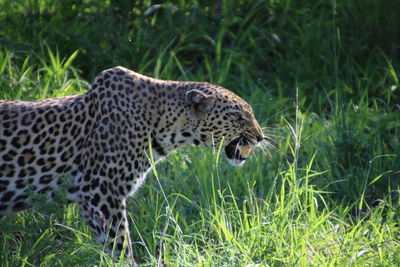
[[218, 114]]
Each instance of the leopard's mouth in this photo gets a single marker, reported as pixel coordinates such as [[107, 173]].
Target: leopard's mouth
[[238, 150]]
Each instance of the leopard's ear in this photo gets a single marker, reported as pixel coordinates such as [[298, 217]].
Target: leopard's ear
[[199, 103]]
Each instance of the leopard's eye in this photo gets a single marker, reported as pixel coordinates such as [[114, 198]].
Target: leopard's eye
[[239, 117]]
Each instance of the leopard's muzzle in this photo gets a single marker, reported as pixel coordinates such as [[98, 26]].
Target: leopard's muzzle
[[238, 150]]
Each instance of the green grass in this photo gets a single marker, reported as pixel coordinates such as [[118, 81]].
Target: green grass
[[323, 78]]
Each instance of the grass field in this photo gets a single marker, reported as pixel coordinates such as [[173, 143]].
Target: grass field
[[323, 79]]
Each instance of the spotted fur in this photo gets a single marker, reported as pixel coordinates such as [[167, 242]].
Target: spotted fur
[[101, 139]]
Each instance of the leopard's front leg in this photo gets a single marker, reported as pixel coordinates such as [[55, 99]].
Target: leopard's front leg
[[106, 163], [108, 219]]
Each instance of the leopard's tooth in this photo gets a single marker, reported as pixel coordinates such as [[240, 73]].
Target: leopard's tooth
[[245, 151]]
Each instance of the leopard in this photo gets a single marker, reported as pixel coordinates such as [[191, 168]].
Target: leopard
[[102, 141]]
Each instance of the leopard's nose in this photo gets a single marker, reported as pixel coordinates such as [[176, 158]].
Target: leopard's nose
[[260, 138]]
